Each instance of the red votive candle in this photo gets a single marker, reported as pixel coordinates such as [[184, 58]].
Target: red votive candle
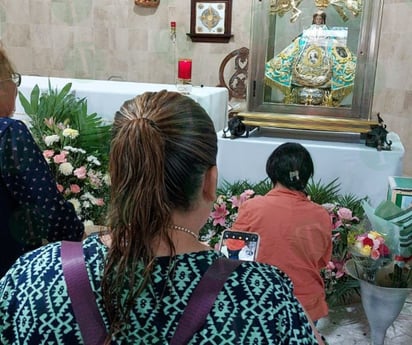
[[173, 25], [184, 69]]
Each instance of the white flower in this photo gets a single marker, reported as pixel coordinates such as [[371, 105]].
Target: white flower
[[88, 223], [106, 179], [86, 203], [76, 204], [51, 139], [66, 168], [74, 149], [220, 199], [95, 178], [88, 197], [71, 133], [329, 206], [92, 159]]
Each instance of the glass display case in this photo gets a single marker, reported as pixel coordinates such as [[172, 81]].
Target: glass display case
[[312, 64]]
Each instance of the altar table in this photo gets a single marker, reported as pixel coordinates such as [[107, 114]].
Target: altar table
[[105, 97], [362, 171]]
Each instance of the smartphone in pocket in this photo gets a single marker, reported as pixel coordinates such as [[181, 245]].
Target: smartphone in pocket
[[239, 245]]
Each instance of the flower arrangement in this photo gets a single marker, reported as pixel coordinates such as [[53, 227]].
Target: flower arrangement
[[226, 207], [79, 175], [385, 254], [339, 286], [376, 263], [75, 145], [225, 210], [345, 211], [369, 251], [369, 244]]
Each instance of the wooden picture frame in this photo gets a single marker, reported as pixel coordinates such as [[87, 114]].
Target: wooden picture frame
[[211, 21]]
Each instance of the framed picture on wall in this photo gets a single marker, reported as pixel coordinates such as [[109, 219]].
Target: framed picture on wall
[[211, 21]]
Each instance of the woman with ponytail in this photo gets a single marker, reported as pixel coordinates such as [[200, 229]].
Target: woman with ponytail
[[144, 270]]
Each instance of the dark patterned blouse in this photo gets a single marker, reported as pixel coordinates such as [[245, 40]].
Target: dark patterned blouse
[[31, 207], [255, 306]]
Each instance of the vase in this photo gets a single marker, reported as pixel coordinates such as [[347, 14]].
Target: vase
[[382, 305]]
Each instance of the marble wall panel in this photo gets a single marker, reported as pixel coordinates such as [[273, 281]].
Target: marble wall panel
[[102, 39]]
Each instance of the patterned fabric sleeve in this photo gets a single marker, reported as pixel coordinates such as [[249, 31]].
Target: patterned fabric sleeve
[[27, 177]]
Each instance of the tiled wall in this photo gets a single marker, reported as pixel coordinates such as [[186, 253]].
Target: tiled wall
[[102, 39], [393, 86]]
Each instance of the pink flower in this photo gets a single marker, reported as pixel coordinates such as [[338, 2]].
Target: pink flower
[[60, 158], [48, 153], [375, 255], [94, 179], [99, 202], [239, 200], [339, 274], [248, 193], [346, 214], [336, 237], [236, 202], [60, 188], [330, 266], [80, 173], [49, 122], [336, 223], [336, 267], [219, 214], [74, 188], [339, 269]]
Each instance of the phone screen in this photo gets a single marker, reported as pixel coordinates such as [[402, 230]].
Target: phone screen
[[239, 245]]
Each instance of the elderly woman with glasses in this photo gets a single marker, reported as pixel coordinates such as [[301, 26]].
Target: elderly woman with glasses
[[32, 209]]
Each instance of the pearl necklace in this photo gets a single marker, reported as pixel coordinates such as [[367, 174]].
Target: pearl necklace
[[181, 228]]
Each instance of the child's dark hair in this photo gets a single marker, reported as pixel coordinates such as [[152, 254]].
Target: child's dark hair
[[291, 165]]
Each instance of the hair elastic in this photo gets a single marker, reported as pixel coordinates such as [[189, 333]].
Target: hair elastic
[[294, 175]]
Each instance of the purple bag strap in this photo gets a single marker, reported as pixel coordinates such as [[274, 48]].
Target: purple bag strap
[[81, 295], [202, 299]]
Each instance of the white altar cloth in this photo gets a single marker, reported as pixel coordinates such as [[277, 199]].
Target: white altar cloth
[[105, 97], [362, 171]]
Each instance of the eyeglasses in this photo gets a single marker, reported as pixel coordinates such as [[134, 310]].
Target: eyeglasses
[[15, 78]]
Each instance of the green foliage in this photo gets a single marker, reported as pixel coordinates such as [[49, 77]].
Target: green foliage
[[238, 187], [344, 292], [323, 193], [64, 107]]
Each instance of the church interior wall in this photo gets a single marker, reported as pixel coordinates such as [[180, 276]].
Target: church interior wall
[[106, 39]]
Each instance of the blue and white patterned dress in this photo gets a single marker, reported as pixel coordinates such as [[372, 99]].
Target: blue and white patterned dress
[[31, 207], [255, 306]]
